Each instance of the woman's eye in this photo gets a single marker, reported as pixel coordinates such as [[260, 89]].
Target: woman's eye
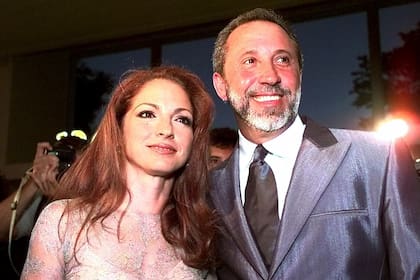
[[184, 120], [146, 114]]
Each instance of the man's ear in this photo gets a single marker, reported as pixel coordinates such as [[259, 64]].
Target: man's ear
[[219, 85]]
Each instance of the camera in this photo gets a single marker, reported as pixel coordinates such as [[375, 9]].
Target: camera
[[66, 155], [67, 147]]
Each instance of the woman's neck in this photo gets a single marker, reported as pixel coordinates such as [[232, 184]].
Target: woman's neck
[[149, 194]]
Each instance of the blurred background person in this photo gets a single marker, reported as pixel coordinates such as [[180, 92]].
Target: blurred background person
[[222, 142], [19, 210]]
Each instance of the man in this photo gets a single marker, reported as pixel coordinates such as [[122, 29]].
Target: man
[[347, 204], [222, 143]]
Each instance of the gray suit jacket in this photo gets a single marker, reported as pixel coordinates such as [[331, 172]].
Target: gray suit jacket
[[352, 211]]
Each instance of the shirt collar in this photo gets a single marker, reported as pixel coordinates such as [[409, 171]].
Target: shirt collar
[[286, 145]]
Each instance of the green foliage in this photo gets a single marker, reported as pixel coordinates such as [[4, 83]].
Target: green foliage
[[401, 77]]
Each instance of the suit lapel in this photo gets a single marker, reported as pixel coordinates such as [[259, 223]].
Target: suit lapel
[[319, 157], [225, 194]]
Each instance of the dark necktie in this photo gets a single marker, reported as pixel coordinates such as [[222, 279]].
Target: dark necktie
[[261, 206]]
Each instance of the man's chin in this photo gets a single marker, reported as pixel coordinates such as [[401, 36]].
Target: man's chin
[[268, 124]]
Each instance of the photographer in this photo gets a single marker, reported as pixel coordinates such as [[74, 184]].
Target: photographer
[[39, 181], [37, 187]]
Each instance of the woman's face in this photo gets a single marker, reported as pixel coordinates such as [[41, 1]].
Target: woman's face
[[157, 128]]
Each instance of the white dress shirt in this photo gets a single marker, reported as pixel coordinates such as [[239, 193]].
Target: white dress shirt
[[282, 156]]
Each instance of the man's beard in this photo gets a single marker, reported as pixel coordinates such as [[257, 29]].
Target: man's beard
[[270, 119]]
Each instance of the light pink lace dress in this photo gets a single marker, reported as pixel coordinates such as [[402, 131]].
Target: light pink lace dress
[[141, 252]]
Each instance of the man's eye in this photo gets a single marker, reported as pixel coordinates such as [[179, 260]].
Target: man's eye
[[184, 120], [214, 160], [283, 60], [249, 61], [146, 114]]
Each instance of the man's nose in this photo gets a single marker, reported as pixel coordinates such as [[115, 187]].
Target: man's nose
[[269, 74]]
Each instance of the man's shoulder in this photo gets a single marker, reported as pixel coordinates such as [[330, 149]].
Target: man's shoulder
[[367, 142], [361, 135]]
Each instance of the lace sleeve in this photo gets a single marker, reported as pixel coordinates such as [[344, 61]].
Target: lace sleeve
[[45, 256]]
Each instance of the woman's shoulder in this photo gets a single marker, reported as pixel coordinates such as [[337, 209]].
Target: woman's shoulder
[[56, 206], [184, 272], [58, 215], [56, 209]]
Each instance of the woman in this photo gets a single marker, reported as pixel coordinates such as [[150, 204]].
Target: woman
[[138, 208]]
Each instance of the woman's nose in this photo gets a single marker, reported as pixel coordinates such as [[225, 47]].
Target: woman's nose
[[164, 128]]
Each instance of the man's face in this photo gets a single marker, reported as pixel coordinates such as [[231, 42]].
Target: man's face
[[261, 77], [218, 155]]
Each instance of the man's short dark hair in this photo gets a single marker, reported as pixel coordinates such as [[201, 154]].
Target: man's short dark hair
[[223, 137], [258, 14]]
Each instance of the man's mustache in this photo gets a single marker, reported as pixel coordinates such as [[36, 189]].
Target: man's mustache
[[272, 89]]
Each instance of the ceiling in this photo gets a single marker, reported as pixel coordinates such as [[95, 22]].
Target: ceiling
[[36, 25], [39, 25]]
